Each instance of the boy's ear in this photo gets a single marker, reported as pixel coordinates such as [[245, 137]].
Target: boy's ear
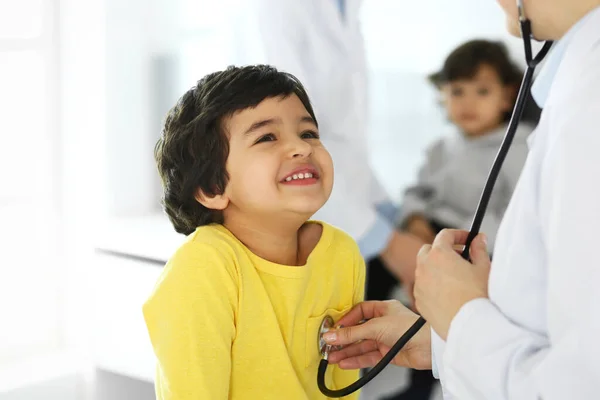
[[216, 202]]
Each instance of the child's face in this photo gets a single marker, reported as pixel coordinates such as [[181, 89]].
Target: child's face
[[477, 105], [277, 164]]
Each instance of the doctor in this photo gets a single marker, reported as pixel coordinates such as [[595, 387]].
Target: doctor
[[529, 327], [320, 42]]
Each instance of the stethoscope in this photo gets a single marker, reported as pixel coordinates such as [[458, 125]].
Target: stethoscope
[[328, 323]]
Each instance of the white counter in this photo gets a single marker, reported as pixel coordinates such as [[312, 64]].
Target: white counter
[[150, 237], [130, 255]]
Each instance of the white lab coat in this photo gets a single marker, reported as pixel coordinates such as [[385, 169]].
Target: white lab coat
[[538, 336], [311, 40]]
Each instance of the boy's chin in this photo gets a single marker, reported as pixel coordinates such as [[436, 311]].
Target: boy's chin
[[475, 132], [304, 214], [293, 215]]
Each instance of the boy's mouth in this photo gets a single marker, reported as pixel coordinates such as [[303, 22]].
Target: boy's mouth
[[468, 117], [302, 175]]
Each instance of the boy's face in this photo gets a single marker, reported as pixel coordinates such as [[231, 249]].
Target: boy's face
[[477, 105], [277, 165]]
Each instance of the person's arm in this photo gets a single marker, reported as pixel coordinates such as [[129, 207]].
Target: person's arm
[[190, 319], [489, 356], [418, 196]]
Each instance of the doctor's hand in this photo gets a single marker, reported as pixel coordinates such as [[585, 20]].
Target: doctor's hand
[[444, 281], [369, 342]]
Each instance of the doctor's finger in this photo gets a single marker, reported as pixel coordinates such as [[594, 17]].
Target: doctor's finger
[[423, 251], [352, 334], [360, 312], [479, 251], [459, 248], [450, 237]]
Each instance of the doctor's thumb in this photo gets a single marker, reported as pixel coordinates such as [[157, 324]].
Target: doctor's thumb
[[479, 251]]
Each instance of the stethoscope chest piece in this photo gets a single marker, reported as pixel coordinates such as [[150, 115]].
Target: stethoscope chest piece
[[326, 326]]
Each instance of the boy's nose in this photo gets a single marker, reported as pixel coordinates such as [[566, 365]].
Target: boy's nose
[[469, 101], [299, 148]]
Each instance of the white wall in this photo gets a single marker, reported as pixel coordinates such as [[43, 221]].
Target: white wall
[[82, 155], [155, 50]]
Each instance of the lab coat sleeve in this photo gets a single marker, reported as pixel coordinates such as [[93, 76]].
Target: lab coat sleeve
[[190, 320], [388, 210], [437, 366], [487, 355], [418, 196], [374, 241]]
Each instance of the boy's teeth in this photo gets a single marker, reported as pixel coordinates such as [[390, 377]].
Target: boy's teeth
[[305, 175]]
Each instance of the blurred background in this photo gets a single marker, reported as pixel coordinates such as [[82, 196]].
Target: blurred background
[[84, 85]]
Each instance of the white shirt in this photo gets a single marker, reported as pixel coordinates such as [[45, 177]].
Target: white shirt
[[538, 335]]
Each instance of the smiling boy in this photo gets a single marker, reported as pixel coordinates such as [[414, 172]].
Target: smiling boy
[[237, 311]]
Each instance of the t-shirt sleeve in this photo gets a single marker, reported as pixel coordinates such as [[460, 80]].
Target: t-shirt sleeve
[[190, 318], [359, 277]]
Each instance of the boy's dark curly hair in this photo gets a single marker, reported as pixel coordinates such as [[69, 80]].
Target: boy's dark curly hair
[[193, 148], [465, 61]]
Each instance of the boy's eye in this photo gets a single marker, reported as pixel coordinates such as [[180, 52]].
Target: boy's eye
[[269, 137], [310, 135], [456, 92], [483, 91]]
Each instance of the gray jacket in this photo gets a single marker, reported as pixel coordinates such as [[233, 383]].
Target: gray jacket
[[450, 182]]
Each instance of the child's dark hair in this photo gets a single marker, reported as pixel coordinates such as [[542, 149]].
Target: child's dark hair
[[465, 61], [193, 148]]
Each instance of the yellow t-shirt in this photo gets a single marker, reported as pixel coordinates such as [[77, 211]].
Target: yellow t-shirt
[[227, 324]]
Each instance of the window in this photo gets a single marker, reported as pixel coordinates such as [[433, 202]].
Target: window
[[404, 113], [29, 288]]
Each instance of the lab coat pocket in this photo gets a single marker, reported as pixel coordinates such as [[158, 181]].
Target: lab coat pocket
[[313, 326]]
